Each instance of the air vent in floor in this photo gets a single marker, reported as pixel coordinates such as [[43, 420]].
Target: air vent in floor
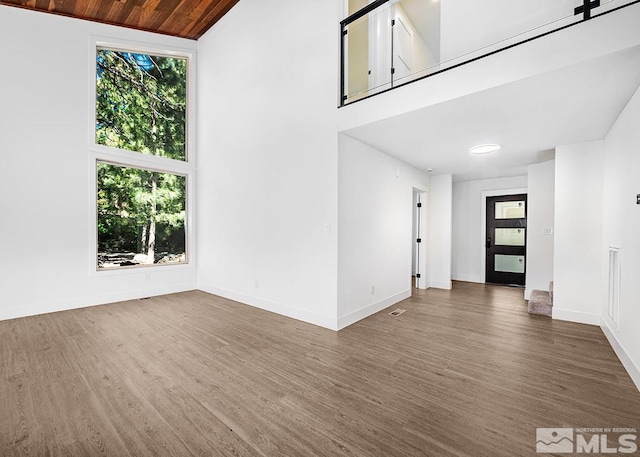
[[397, 312]]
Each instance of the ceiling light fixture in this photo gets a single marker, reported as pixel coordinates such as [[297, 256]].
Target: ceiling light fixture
[[484, 149]]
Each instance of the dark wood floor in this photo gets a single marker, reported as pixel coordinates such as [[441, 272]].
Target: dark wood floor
[[462, 373]]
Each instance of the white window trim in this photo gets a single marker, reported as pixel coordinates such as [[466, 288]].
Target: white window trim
[[100, 153]]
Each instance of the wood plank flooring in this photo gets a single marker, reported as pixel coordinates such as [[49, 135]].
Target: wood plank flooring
[[465, 372]]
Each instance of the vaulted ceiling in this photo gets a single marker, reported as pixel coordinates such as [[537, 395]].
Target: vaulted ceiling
[[181, 18]]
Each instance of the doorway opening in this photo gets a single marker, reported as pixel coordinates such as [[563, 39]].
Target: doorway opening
[[506, 240]]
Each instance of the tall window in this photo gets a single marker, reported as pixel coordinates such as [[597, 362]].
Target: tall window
[[142, 168]]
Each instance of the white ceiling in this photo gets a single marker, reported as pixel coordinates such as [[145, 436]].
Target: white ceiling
[[529, 118]]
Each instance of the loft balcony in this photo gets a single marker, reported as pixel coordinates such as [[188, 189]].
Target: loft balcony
[[388, 44]]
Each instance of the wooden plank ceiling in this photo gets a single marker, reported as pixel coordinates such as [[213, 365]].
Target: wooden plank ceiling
[[181, 18]]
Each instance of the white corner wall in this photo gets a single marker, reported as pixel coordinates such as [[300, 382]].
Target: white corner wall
[[621, 226], [375, 240], [469, 224], [577, 256], [540, 212], [268, 157], [439, 210], [45, 189]]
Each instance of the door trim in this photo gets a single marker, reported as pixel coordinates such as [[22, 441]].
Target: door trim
[[494, 249], [423, 234], [483, 222]]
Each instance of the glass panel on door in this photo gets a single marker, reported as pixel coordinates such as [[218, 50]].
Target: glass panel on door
[[509, 263], [510, 210], [510, 237]]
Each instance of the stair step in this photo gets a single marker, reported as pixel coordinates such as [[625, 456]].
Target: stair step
[[540, 303]]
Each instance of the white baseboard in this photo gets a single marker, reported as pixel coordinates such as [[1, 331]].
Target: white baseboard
[[85, 302], [278, 308], [467, 278], [623, 355], [576, 316], [527, 293], [441, 285], [368, 310]]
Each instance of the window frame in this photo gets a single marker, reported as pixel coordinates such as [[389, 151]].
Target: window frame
[[115, 156]]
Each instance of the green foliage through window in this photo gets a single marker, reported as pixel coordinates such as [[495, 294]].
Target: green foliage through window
[[141, 103], [141, 216], [141, 107]]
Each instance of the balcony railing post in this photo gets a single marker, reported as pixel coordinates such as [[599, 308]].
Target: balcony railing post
[[393, 70], [343, 33], [586, 7]]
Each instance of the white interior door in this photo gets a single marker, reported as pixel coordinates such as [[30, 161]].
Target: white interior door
[[402, 43]]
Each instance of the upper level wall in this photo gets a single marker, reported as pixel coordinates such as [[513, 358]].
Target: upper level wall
[[468, 26]]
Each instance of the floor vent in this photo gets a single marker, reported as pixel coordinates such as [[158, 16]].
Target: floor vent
[[397, 312], [613, 300]]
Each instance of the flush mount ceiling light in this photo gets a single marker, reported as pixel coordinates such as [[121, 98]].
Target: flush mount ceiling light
[[484, 149]]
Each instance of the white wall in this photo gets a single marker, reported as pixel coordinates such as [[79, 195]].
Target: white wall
[[375, 240], [621, 226], [440, 231], [469, 224], [268, 157], [540, 199], [45, 190], [471, 25], [577, 256]]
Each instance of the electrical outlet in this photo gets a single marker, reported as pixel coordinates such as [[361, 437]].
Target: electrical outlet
[[373, 289], [256, 284]]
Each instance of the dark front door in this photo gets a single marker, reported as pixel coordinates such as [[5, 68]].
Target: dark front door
[[506, 244]]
